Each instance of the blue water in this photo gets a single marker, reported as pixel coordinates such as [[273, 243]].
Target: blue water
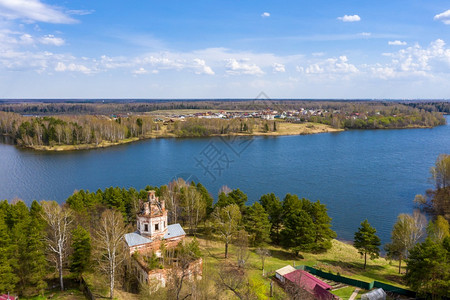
[[371, 174]]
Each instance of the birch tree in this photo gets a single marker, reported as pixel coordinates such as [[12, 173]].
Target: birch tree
[[109, 245], [194, 207], [59, 221], [226, 221], [407, 231]]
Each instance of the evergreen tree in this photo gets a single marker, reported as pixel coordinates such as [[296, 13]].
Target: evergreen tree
[[8, 279], [81, 255], [273, 207], [207, 198], [322, 227], [429, 268], [19, 232], [37, 263], [257, 224], [298, 231], [367, 242], [234, 197]]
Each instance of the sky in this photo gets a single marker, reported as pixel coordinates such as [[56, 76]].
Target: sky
[[225, 49]]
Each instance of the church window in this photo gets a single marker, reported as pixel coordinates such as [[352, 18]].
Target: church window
[[156, 227], [145, 227]]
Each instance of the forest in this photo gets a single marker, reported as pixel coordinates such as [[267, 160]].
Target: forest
[[94, 124], [108, 107], [45, 239], [46, 244]]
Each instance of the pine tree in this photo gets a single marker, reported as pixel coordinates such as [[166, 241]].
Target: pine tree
[[429, 268], [8, 279], [81, 256], [298, 232], [19, 232], [37, 263], [273, 207], [322, 226], [367, 242], [257, 224]]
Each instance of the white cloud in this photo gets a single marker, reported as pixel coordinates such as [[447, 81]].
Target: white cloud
[[416, 61], [51, 40], [265, 15], [203, 68], [235, 67], [444, 17], [330, 66], [140, 71], [80, 12], [72, 67], [396, 43], [278, 68], [33, 11], [365, 34], [26, 39], [348, 18]]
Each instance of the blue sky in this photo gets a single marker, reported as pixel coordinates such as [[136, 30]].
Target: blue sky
[[224, 49]]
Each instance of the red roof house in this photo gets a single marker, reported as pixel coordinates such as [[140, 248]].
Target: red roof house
[[311, 284]]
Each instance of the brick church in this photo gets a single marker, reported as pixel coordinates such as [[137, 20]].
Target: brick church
[[152, 230]]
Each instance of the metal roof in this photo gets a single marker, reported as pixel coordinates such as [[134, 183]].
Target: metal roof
[[285, 270], [174, 230], [134, 239], [306, 280]]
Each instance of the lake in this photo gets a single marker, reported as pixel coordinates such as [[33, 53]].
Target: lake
[[358, 174]]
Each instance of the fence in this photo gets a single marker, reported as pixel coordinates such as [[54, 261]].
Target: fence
[[86, 290], [358, 283]]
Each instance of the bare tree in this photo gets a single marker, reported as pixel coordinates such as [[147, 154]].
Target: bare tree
[[234, 279], [224, 189], [440, 173], [109, 245], [194, 207], [263, 253], [183, 270], [242, 253], [172, 196], [58, 233]]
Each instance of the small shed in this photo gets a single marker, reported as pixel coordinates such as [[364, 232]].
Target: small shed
[[279, 274], [377, 294]]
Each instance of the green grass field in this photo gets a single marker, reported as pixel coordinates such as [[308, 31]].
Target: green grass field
[[342, 258]]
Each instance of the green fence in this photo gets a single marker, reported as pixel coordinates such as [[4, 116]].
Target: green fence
[[395, 289], [358, 283]]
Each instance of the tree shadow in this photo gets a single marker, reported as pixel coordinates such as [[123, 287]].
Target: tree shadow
[[351, 266], [284, 255]]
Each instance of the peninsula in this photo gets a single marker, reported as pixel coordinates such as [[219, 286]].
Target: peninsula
[[62, 126]]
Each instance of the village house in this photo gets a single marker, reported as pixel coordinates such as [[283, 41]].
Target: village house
[[152, 231]]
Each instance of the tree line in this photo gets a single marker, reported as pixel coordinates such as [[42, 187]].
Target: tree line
[[87, 129], [73, 130], [140, 106]]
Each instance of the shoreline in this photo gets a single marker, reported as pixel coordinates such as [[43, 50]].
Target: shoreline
[[286, 129]]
